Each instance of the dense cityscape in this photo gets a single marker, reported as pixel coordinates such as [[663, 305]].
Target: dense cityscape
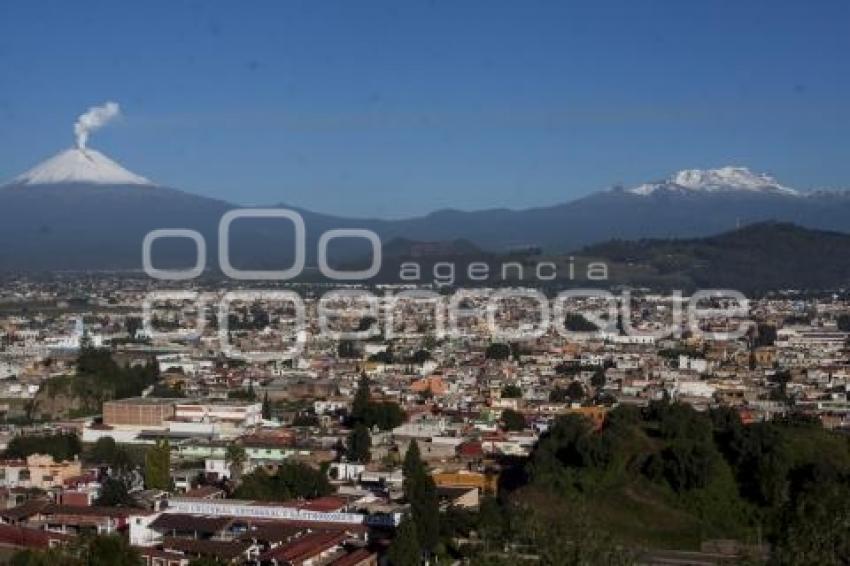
[[443, 444]]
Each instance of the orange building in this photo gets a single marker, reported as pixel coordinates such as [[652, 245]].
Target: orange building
[[434, 383], [485, 483], [138, 411]]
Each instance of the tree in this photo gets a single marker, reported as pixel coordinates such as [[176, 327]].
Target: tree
[[59, 446], [558, 395], [598, 379], [30, 407], [166, 391], [492, 519], [419, 357], [786, 480], [511, 391], [106, 451], [567, 368], [158, 466], [684, 465], [385, 357], [267, 407], [366, 323], [421, 493], [48, 557], [384, 415], [497, 351], [575, 322], [362, 398], [246, 394], [291, 480], [760, 456], [565, 445], [132, 324], [359, 443], [99, 378], [100, 550], [346, 349], [113, 550], [679, 421], [570, 539], [815, 527], [405, 549], [86, 343], [575, 391], [412, 465], [305, 419], [513, 420], [766, 335], [235, 457], [114, 493]]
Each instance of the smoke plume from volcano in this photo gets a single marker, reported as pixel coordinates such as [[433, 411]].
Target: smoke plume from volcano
[[95, 118]]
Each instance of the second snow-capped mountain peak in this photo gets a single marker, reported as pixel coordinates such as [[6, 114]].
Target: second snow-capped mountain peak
[[717, 180]]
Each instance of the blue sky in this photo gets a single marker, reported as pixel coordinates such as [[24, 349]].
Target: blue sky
[[400, 108]]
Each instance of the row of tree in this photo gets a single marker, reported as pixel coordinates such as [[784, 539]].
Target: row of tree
[[103, 550], [291, 480], [61, 446], [365, 415]]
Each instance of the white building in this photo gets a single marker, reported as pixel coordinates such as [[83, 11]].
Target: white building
[[696, 364], [235, 414]]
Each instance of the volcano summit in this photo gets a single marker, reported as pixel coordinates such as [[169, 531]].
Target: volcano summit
[[80, 165]]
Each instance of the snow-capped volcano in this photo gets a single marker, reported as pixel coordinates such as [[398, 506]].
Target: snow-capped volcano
[[717, 180], [86, 166]]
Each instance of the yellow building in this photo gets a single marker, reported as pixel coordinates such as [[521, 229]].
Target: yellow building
[[485, 483]]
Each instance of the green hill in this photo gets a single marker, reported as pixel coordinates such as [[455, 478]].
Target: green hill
[[669, 477]]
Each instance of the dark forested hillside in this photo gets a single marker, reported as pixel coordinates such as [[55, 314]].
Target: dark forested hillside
[[758, 257]]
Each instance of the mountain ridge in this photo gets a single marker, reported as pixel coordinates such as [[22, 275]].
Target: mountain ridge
[[91, 225]]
